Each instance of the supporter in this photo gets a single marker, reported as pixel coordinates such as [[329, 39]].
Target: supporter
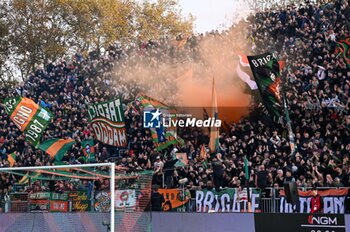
[[169, 171], [218, 172], [317, 92], [289, 177], [279, 179], [316, 202], [157, 199]]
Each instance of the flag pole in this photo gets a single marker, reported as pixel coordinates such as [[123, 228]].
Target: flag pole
[[213, 141], [289, 128], [246, 169], [293, 147]]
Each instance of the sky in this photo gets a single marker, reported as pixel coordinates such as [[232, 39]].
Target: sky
[[213, 14]]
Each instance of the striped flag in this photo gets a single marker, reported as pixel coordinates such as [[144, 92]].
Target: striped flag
[[148, 102], [56, 148], [162, 136], [29, 117], [214, 131], [24, 179], [31, 176], [11, 158]]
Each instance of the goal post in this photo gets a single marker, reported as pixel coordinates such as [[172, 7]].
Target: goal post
[[111, 179], [79, 197], [112, 189]]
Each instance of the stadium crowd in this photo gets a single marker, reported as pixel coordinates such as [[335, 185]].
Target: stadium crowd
[[316, 87]]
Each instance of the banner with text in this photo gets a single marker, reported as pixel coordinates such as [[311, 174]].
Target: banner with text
[[227, 200], [333, 201], [58, 206], [107, 121], [299, 222], [174, 198], [29, 117], [266, 71], [80, 201], [39, 205]]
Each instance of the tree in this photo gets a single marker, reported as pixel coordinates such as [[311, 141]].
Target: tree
[[97, 23], [40, 31], [36, 33], [161, 18], [4, 48], [93, 24]]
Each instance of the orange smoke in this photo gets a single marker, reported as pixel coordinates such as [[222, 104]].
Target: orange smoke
[[189, 84]]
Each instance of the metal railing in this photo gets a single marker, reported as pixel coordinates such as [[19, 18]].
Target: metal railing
[[269, 201]]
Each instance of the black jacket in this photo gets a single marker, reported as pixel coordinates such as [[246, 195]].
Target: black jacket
[[157, 200]]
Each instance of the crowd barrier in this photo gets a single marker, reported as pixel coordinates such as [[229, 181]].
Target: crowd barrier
[[180, 200]]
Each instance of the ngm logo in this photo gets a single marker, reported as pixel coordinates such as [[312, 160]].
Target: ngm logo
[[324, 223], [155, 119], [322, 220]]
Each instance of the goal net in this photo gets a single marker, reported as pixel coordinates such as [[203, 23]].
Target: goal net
[[76, 198]]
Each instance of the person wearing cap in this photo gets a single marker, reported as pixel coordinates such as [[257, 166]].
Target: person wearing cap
[[158, 165], [158, 171]]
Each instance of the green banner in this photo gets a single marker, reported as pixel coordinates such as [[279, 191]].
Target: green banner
[[107, 121], [49, 195], [226, 200], [59, 196], [40, 195]]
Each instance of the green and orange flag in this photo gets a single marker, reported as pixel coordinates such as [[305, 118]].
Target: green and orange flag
[[89, 150], [343, 47], [24, 179], [29, 117], [56, 148], [11, 158], [162, 136]]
